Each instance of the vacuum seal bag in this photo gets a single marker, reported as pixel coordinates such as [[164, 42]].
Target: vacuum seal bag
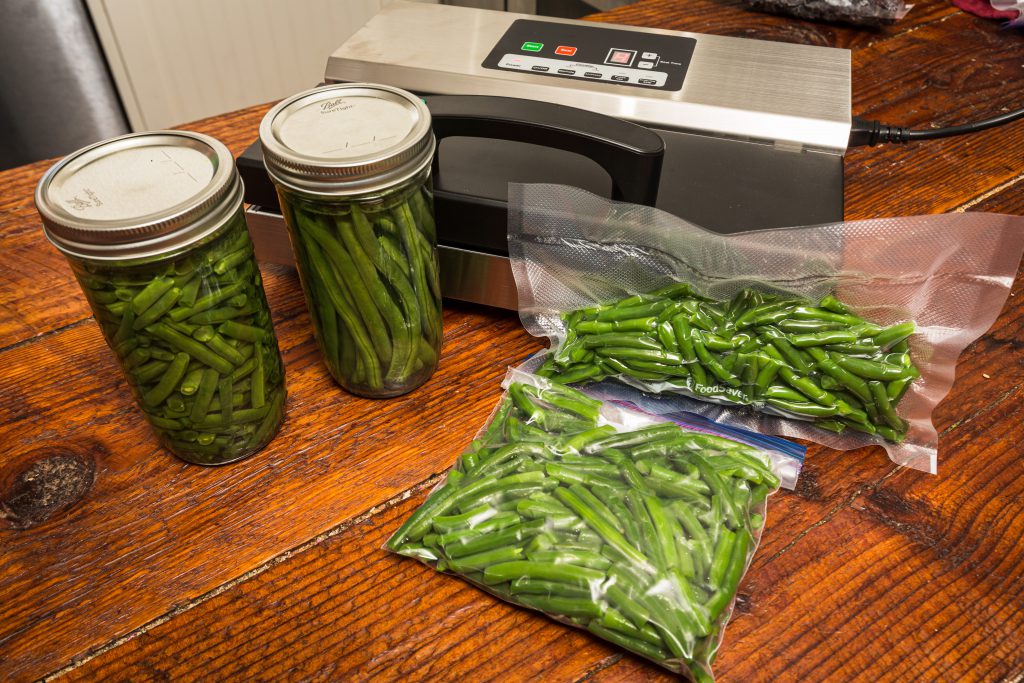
[[863, 12], [604, 518], [845, 334]]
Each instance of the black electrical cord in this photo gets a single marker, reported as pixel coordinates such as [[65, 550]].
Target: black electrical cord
[[866, 132]]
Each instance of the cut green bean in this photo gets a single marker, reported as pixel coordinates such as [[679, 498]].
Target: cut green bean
[[182, 370], [640, 536]]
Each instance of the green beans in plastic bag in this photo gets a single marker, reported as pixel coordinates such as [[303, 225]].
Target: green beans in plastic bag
[[846, 334], [604, 518]]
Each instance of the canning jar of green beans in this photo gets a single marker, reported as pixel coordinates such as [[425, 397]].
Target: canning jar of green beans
[[351, 163], [153, 228]]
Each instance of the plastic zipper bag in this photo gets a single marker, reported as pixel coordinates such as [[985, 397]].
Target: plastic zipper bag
[[604, 517], [944, 277], [863, 12]]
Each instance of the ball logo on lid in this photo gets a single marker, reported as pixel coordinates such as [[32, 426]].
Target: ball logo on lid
[[78, 204], [340, 104]]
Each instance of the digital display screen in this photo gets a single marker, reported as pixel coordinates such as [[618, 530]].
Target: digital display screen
[[623, 57]]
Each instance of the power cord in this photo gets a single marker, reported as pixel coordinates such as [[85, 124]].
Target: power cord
[[872, 133]]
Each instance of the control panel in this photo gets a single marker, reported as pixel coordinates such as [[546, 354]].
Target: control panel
[[612, 55]]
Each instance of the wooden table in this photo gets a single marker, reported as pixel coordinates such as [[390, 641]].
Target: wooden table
[[117, 561]]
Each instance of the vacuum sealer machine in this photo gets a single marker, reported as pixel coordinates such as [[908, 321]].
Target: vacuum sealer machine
[[729, 133]]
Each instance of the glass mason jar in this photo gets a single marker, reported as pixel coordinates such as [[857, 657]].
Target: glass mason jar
[[153, 228], [351, 164]]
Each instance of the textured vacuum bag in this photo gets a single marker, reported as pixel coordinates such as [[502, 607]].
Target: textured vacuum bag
[[950, 274]]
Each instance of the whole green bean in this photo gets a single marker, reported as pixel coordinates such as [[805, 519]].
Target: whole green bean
[[710, 350]]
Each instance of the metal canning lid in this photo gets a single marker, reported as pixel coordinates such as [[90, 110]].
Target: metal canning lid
[[138, 195], [348, 138]]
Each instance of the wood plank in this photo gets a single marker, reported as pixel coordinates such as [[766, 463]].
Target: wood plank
[[38, 292], [923, 80], [152, 529], [733, 18], [1006, 198], [347, 610], [870, 592]]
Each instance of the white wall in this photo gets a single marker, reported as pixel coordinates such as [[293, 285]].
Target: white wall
[[176, 61]]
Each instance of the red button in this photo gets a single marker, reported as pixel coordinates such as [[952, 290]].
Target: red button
[[565, 50]]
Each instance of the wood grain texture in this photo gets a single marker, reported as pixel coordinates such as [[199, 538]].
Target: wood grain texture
[[271, 569], [153, 530]]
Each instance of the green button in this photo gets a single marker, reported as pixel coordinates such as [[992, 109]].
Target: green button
[[533, 47]]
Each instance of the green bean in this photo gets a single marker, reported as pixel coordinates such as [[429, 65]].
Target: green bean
[[227, 399], [870, 369], [137, 357], [148, 295], [845, 378], [397, 326], [243, 332], [635, 438], [191, 347], [258, 377], [803, 408], [168, 382], [806, 326], [157, 310], [637, 645], [208, 301], [581, 558], [730, 577], [583, 409], [885, 409], [204, 396], [897, 388], [598, 523], [823, 337], [219, 315], [572, 475], [564, 573], [338, 270], [149, 372], [190, 384], [542, 587], [484, 559], [222, 348], [893, 335], [353, 323], [189, 291]]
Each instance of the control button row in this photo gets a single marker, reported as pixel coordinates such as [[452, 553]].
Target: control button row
[[540, 65]]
